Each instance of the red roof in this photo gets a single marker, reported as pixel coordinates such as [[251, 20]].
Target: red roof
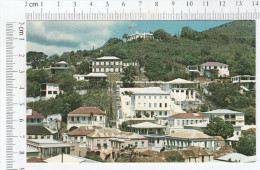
[[86, 110], [34, 159], [35, 115], [214, 64], [188, 115], [84, 130]]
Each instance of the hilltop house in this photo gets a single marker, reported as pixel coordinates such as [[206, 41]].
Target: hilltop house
[[153, 132], [178, 121], [188, 137], [86, 116], [208, 68], [237, 119], [245, 82], [49, 90], [33, 117], [58, 67], [137, 35]]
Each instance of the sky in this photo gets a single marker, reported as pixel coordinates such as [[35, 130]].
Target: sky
[[56, 37]]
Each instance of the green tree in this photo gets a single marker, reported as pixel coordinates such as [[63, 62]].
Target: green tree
[[250, 114], [65, 79], [33, 89], [247, 143], [37, 59], [218, 127], [128, 154], [174, 158], [125, 36], [83, 68], [162, 35], [128, 77]]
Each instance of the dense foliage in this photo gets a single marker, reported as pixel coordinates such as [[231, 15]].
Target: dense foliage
[[218, 127], [247, 143], [174, 158]]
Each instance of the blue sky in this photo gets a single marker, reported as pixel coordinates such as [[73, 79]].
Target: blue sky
[[56, 37]]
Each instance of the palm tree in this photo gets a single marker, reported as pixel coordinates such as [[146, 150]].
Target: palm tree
[[128, 77]]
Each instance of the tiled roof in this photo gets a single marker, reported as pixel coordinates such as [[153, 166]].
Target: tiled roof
[[219, 138], [34, 159], [214, 64], [86, 110], [151, 90], [188, 115], [190, 133], [37, 130], [35, 115], [198, 150], [83, 131]]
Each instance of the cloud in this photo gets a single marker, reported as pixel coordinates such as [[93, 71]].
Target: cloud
[[51, 37]]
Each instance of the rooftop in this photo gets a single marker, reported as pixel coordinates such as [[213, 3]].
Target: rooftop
[[146, 125], [45, 141], [34, 160], [69, 159], [34, 115], [84, 130], [96, 75], [190, 133], [151, 90], [188, 115], [214, 64], [86, 110], [237, 157], [220, 111], [105, 132], [37, 130], [180, 81], [108, 58]]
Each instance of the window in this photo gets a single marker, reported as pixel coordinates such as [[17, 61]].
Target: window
[[139, 104], [182, 122], [139, 97], [155, 105], [233, 116], [49, 92], [83, 118], [100, 118], [165, 113], [72, 118], [136, 143], [38, 120], [226, 116], [54, 92], [177, 91], [160, 97], [144, 104], [191, 122], [77, 118], [233, 122], [150, 97], [150, 105], [237, 133], [160, 113], [165, 97], [160, 104], [182, 91], [178, 122], [165, 105], [144, 97], [154, 97], [142, 144]]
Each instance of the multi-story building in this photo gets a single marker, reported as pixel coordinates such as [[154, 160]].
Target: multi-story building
[[33, 117], [107, 64], [222, 69], [59, 66], [109, 141], [153, 132], [188, 137], [49, 90], [210, 69], [181, 90], [40, 132], [137, 35], [178, 121], [86, 116], [237, 119], [152, 102], [245, 82]]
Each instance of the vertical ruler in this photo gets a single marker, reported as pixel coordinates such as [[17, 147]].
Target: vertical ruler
[[13, 86]]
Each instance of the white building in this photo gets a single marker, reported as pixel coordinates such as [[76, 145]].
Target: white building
[[107, 64], [33, 117], [54, 121], [237, 119], [245, 82], [181, 90], [49, 90], [152, 102], [59, 66], [178, 121], [153, 132], [91, 76], [86, 116], [221, 68], [137, 35]]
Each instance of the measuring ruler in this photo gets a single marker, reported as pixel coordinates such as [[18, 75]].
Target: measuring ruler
[[13, 45]]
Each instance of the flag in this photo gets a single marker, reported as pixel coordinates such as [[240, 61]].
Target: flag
[[130, 27]]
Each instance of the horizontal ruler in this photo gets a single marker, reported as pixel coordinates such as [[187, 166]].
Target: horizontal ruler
[[143, 10]]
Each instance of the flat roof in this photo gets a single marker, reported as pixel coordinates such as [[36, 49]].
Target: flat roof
[[220, 111], [108, 58]]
